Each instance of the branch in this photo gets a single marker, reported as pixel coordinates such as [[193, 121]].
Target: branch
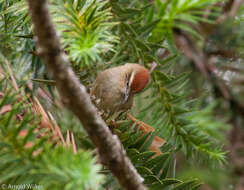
[[74, 95], [231, 10], [202, 61]]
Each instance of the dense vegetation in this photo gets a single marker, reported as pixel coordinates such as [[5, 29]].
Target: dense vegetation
[[194, 99]]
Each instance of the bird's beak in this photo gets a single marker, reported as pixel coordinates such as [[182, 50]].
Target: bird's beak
[[127, 94]]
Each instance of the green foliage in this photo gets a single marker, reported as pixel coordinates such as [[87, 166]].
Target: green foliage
[[185, 133], [86, 29], [42, 164], [206, 123], [179, 14], [134, 29], [169, 105], [157, 171], [16, 39], [69, 172], [96, 35], [183, 126]]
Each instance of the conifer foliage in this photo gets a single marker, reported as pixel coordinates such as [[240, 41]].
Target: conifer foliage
[[96, 35]]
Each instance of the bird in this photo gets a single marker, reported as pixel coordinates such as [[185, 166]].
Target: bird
[[114, 89]]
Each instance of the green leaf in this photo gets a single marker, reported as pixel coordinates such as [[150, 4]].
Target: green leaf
[[141, 141], [148, 143], [170, 181], [151, 163], [165, 167], [144, 171], [185, 185], [160, 165], [150, 179]]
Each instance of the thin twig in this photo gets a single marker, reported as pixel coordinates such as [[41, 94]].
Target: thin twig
[[192, 51], [73, 143], [235, 5], [57, 129], [67, 138], [12, 76]]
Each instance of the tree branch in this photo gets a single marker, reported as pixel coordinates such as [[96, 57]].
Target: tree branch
[[185, 43], [74, 95]]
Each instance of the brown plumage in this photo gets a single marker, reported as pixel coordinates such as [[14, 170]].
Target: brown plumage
[[114, 88]]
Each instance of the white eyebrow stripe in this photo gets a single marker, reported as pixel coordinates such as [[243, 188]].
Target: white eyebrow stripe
[[127, 87], [131, 78]]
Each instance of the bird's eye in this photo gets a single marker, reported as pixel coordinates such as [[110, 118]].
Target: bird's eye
[[127, 83]]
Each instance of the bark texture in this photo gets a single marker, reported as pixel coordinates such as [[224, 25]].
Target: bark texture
[[74, 95]]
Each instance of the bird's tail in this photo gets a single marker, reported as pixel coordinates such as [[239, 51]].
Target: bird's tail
[[145, 128]]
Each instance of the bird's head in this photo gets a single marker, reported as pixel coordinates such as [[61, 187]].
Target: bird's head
[[137, 78]]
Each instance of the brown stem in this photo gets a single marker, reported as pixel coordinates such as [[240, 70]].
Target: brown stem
[[74, 95]]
